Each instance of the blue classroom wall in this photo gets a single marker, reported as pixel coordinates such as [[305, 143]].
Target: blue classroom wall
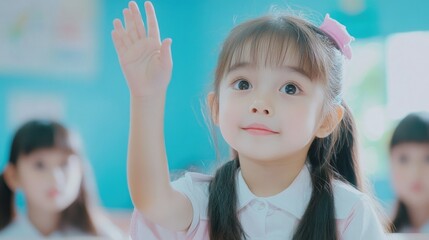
[[97, 106]]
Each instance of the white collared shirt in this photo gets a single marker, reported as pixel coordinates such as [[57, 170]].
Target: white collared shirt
[[21, 228], [268, 218]]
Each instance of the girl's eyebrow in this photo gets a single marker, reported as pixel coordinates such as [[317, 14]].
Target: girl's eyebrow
[[284, 67]]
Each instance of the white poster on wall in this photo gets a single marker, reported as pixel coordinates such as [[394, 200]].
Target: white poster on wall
[[48, 37]]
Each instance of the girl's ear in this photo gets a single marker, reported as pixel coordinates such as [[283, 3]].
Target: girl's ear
[[330, 122], [214, 107], [11, 177]]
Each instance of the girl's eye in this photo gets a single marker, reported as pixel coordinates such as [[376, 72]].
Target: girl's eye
[[403, 159], [242, 85], [39, 165], [290, 89]]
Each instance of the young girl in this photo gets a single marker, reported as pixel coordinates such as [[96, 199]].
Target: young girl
[[409, 152], [277, 101], [45, 164]]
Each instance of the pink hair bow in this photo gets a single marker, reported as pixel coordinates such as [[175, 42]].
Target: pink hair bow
[[339, 34]]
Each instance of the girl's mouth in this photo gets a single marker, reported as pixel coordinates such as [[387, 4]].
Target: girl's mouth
[[52, 193], [259, 129]]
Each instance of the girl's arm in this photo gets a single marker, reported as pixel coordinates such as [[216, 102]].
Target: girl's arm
[[147, 64]]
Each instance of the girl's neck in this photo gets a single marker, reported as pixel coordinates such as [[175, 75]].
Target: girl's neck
[[45, 222], [266, 179], [419, 216]]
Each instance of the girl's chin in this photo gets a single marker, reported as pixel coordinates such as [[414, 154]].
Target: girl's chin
[[54, 205]]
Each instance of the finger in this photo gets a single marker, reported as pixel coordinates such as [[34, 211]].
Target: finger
[[118, 43], [137, 19], [166, 57], [130, 26], [152, 23], [117, 24]]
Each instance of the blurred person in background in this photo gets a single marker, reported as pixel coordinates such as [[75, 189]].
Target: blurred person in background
[[409, 154], [46, 163]]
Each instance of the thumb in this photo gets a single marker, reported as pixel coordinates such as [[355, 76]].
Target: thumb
[[166, 57]]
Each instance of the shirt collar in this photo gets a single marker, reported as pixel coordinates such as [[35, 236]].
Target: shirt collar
[[293, 199], [22, 226]]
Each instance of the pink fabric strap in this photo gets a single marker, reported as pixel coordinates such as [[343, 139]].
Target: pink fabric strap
[[339, 34]]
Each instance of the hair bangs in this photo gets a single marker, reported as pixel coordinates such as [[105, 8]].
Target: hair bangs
[[37, 135], [273, 42]]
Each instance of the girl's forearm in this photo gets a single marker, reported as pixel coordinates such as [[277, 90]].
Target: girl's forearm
[[148, 177], [147, 64]]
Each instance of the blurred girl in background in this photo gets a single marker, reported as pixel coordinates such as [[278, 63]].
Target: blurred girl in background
[[46, 165], [409, 153]]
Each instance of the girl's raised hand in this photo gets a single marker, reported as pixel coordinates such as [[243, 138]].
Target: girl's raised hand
[[145, 61]]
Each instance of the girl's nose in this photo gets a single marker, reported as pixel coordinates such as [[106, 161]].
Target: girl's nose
[[261, 107], [57, 176]]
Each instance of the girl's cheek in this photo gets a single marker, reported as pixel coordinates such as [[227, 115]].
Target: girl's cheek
[[399, 178], [74, 175], [426, 182]]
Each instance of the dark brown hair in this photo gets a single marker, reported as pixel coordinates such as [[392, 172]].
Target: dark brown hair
[[269, 41], [41, 134]]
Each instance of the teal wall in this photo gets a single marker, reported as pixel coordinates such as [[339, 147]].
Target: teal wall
[[98, 107]]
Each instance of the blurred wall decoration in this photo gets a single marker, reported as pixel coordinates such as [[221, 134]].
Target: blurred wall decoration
[[56, 37]]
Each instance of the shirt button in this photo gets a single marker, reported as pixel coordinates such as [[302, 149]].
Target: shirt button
[[261, 206]]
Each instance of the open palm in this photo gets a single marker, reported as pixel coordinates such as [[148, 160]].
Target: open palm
[[145, 61]]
